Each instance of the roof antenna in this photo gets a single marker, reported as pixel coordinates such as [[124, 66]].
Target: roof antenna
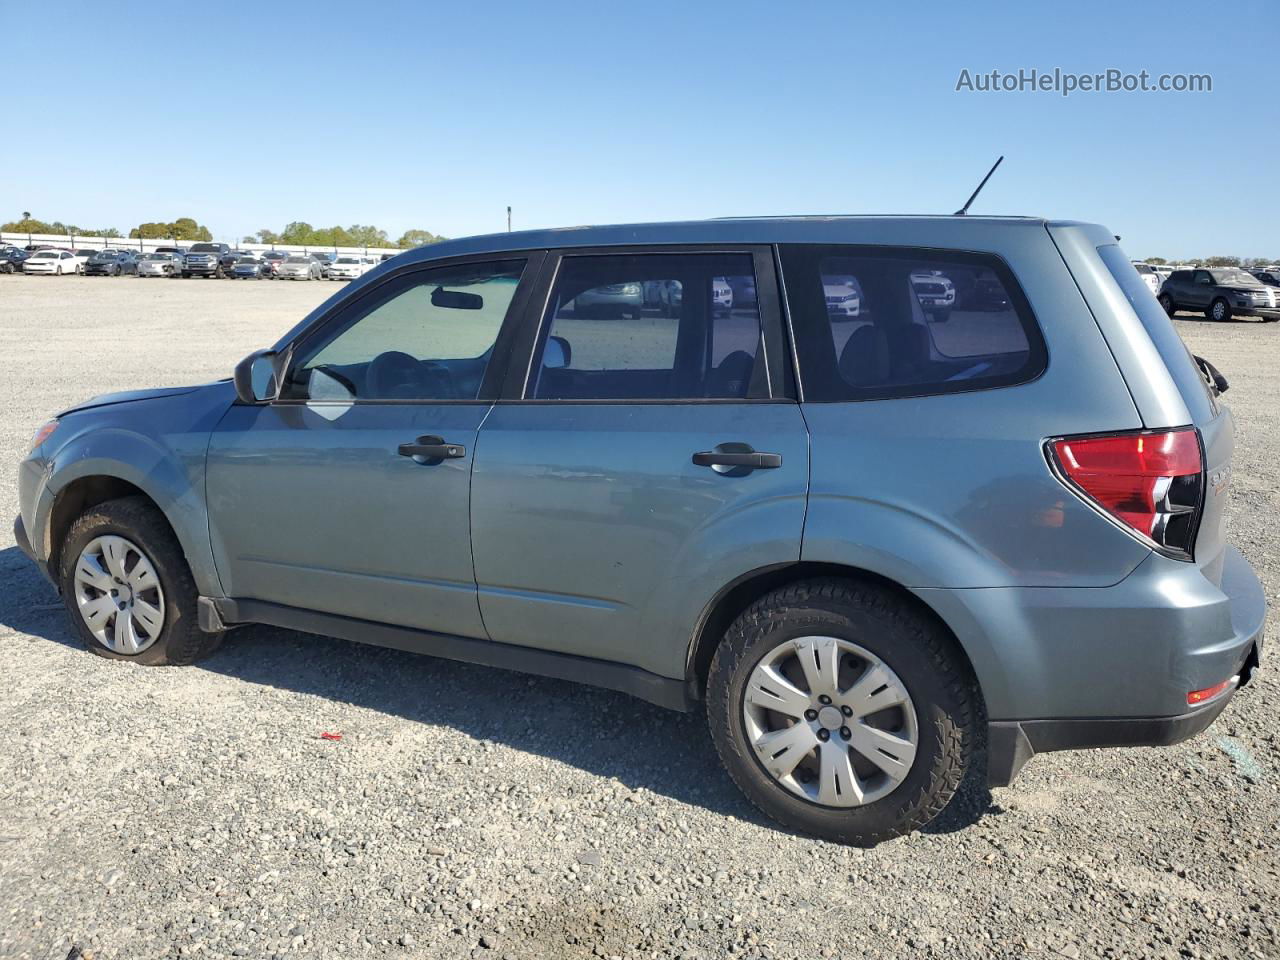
[[965, 209]]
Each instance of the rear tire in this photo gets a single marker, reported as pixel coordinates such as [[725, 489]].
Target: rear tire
[[1167, 303], [915, 655], [1219, 310], [136, 523]]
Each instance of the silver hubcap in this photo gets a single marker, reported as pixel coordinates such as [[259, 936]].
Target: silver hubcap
[[1218, 311], [118, 595], [830, 721]]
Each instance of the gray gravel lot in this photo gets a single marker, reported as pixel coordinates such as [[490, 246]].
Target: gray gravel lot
[[471, 812]]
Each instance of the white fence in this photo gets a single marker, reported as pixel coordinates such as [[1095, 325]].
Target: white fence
[[146, 246]]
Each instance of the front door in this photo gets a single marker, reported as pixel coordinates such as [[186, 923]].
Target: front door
[[649, 459], [349, 494]]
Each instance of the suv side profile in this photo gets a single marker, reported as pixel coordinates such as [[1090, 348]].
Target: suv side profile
[[864, 542], [1221, 293]]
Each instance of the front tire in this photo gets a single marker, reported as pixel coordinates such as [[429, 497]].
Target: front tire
[[901, 701], [128, 589], [1219, 310]]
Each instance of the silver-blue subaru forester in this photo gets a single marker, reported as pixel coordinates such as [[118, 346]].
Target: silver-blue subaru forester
[[876, 491]]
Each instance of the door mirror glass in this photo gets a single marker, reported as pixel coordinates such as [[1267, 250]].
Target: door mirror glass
[[255, 377], [558, 354]]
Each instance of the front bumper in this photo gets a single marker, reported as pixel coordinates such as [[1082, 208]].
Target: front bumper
[[23, 541]]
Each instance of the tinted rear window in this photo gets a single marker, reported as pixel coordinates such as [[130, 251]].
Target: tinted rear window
[[877, 322]]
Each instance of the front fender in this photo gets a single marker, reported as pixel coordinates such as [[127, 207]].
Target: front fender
[[155, 470]]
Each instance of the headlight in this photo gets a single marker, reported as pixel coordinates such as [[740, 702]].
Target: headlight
[[44, 433]]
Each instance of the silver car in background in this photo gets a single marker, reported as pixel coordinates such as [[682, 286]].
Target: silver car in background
[[300, 266], [159, 265]]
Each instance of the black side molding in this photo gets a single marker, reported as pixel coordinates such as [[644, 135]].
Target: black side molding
[[674, 694]]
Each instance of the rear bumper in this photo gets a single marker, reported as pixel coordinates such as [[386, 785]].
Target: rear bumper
[[1188, 662], [1011, 743]]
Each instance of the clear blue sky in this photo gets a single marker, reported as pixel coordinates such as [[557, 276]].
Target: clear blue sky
[[438, 115]]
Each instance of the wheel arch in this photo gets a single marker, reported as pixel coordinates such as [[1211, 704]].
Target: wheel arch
[[736, 596]]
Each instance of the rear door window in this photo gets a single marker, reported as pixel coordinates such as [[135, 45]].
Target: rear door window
[[874, 322], [651, 327]]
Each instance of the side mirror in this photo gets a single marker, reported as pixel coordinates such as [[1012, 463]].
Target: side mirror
[[557, 355], [255, 377]]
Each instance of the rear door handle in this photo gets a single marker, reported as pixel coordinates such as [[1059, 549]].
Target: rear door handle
[[431, 448], [737, 458]]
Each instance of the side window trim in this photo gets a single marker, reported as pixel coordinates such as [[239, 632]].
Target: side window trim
[[406, 278], [526, 344]]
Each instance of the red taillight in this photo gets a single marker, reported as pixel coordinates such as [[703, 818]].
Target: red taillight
[[1150, 482], [1208, 693]]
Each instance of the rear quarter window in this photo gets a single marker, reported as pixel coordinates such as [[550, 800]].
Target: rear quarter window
[[877, 322]]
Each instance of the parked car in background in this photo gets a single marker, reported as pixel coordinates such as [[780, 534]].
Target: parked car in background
[[326, 260], [12, 259], [249, 268], [348, 267], [1220, 293], [386, 256], [1268, 277], [610, 300], [843, 298], [111, 263], [82, 255], [935, 292], [299, 266], [721, 296], [274, 259], [159, 265], [1149, 275], [55, 262], [872, 554], [206, 260]]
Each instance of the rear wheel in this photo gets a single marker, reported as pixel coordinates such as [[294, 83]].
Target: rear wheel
[[1167, 303], [127, 586], [1219, 310], [840, 710], [942, 314]]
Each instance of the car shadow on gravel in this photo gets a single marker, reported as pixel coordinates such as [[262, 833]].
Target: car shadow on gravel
[[605, 733]]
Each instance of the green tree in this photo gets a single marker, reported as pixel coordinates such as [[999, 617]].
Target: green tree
[[417, 238], [1157, 260], [1221, 261]]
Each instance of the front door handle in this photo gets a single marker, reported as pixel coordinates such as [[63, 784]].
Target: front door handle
[[431, 448], [738, 455]]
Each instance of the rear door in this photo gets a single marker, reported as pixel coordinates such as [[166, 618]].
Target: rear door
[[646, 454]]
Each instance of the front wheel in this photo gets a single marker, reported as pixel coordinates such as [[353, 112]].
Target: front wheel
[[1219, 310], [841, 710], [127, 586]]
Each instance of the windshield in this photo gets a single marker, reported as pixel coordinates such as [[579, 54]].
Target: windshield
[[203, 248], [157, 256], [105, 255], [248, 260], [1233, 276]]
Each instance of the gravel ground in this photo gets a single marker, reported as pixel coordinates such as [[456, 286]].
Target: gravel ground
[[471, 812]]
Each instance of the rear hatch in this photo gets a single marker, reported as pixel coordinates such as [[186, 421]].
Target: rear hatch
[[1170, 387]]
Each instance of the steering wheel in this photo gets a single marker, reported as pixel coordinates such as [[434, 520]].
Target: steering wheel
[[395, 375]]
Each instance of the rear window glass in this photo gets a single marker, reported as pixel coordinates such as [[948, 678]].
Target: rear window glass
[[1177, 358], [875, 323]]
